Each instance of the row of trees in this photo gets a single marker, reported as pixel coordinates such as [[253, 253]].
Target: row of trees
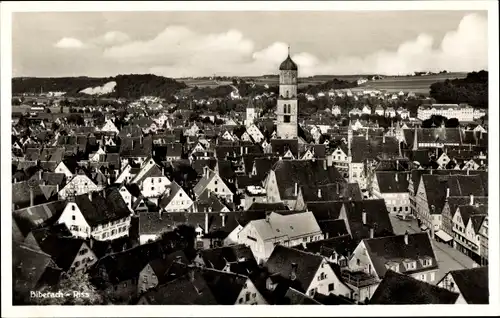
[[127, 86], [472, 90]]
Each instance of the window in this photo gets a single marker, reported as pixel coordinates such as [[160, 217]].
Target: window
[[284, 108], [215, 182], [247, 297], [77, 263], [152, 188], [73, 217], [72, 208], [394, 209], [240, 300], [286, 119], [83, 251], [406, 208], [113, 232], [331, 287], [358, 262], [312, 292], [215, 190]]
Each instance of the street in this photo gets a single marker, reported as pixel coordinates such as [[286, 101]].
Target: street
[[448, 258]]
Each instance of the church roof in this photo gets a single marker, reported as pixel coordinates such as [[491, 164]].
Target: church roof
[[288, 65]]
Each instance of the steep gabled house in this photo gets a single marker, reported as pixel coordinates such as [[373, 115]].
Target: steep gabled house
[[263, 235], [212, 181], [93, 215], [410, 254], [467, 221], [392, 186], [151, 179], [71, 255], [79, 184], [308, 273], [175, 199], [470, 284], [398, 289], [282, 182]]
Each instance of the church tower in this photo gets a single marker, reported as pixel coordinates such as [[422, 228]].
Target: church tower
[[287, 107]]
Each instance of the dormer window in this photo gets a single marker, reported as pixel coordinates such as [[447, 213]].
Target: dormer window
[[410, 265], [427, 262]]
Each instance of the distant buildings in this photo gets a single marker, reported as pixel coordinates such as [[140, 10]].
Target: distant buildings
[[464, 113]]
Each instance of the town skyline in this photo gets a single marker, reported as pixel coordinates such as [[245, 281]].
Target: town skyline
[[190, 44]]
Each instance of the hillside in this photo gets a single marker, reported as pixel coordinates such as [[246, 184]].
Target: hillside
[[132, 85], [472, 90]]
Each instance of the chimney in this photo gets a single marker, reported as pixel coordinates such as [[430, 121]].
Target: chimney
[[191, 273], [40, 174], [293, 273], [372, 231], [32, 197], [363, 216], [319, 193], [296, 189], [396, 177], [267, 217], [407, 177], [406, 237], [246, 150], [338, 190], [241, 150], [325, 165], [109, 181], [467, 171], [383, 138], [431, 171], [223, 217], [90, 196], [91, 242], [206, 222], [471, 199], [447, 193]]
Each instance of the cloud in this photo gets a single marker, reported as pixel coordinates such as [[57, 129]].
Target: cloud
[[111, 38], [69, 43], [178, 51]]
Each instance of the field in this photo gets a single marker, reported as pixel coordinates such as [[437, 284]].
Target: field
[[416, 84]]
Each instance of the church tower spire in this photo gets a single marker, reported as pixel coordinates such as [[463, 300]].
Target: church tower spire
[[287, 105]]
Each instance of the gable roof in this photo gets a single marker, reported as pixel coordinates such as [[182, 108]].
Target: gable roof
[[182, 291], [399, 289], [286, 226], [383, 250], [307, 264], [392, 181], [225, 286], [36, 216], [217, 258], [101, 210], [473, 284], [376, 217], [290, 172]]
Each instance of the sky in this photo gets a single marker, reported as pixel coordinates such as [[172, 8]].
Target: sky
[[181, 44]]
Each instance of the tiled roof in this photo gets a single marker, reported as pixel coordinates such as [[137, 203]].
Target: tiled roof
[[392, 182], [21, 194], [225, 286], [399, 289], [28, 266], [331, 192], [128, 264], [473, 284], [281, 260], [218, 258], [325, 210], [281, 146], [182, 291], [290, 172], [33, 217], [383, 250], [376, 217], [288, 226], [342, 245], [102, 210], [374, 147], [268, 207]]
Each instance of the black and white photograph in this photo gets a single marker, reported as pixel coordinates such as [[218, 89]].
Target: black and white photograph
[[165, 154]]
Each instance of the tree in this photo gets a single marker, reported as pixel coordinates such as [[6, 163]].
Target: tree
[[76, 119], [98, 118], [47, 110], [75, 290], [452, 123]]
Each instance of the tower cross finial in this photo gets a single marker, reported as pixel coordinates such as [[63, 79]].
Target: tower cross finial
[[288, 50]]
